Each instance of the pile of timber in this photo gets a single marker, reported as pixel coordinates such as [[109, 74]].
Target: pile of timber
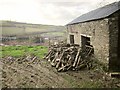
[[69, 57]]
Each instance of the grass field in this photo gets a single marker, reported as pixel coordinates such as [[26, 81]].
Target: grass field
[[18, 51], [18, 28]]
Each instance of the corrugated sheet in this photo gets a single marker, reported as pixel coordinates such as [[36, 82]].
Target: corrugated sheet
[[98, 13]]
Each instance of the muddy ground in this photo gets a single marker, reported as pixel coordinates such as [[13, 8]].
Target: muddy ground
[[30, 72]]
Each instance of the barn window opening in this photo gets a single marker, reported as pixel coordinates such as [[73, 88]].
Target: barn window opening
[[85, 41], [86, 47], [71, 39]]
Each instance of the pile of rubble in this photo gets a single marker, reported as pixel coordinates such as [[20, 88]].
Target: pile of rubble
[[69, 57]]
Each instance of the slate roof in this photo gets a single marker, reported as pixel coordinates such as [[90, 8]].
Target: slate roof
[[98, 13]]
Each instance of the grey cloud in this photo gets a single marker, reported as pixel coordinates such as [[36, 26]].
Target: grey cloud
[[64, 11]]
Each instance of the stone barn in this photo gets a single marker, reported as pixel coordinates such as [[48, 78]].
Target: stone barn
[[101, 29]]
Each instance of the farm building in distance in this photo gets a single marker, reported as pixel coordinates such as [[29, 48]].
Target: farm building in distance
[[101, 29]]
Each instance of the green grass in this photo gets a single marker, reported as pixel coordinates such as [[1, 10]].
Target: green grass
[[18, 51]]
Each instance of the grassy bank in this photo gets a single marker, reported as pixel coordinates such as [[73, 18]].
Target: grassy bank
[[18, 51]]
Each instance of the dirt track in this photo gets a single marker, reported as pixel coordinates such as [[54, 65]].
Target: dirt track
[[35, 73]]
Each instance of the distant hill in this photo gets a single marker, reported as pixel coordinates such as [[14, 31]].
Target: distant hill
[[18, 28]]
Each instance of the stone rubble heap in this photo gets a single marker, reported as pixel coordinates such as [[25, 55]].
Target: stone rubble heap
[[69, 57]]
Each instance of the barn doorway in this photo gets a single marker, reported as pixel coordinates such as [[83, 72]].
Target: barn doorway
[[71, 39], [85, 41]]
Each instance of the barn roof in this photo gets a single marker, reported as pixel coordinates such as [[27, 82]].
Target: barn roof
[[98, 13]]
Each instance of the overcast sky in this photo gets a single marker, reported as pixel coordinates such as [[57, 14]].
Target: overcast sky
[[53, 12]]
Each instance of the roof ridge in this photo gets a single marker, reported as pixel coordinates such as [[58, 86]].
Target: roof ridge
[[98, 13]]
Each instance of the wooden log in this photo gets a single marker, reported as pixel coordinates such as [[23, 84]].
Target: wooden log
[[49, 55], [69, 60], [53, 64], [34, 58], [53, 61], [81, 66], [60, 69], [76, 58], [69, 67], [58, 64], [52, 56], [46, 55], [78, 62], [63, 68]]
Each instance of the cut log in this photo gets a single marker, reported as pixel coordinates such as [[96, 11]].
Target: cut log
[[78, 62], [77, 56], [53, 61], [47, 55], [57, 66], [63, 68]]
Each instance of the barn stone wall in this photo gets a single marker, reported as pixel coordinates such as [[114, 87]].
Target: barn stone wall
[[114, 24], [98, 31], [73, 31]]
